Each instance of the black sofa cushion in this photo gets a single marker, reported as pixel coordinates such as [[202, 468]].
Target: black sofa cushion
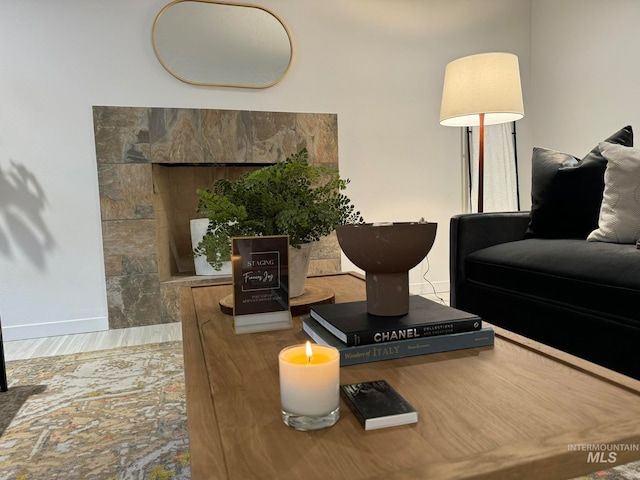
[[589, 277], [566, 193]]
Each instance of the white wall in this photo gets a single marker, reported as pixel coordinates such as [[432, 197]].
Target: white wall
[[378, 64], [585, 71]]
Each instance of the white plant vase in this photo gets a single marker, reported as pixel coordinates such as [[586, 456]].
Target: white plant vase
[[298, 267], [198, 229]]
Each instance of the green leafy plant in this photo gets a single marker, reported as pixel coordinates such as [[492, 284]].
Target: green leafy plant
[[292, 198]]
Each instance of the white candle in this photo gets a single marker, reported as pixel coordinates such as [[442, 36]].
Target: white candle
[[309, 384]]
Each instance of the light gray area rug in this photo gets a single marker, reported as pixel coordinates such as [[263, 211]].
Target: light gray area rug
[[630, 471], [112, 414]]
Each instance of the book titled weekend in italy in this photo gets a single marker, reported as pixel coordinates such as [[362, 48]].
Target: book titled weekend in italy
[[353, 355]]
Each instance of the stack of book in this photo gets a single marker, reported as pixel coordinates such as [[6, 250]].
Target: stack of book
[[429, 327]]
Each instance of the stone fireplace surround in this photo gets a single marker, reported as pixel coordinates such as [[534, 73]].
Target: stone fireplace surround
[[150, 162]]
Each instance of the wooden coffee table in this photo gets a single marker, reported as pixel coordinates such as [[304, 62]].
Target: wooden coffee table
[[516, 410]]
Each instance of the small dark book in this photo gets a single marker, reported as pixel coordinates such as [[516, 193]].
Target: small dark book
[[377, 405], [352, 324]]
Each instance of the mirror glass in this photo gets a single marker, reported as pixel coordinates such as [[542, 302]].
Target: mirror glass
[[213, 43]]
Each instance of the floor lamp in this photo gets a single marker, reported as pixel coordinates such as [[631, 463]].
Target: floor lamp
[[481, 90]]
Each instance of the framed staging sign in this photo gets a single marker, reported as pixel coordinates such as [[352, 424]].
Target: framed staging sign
[[260, 268]]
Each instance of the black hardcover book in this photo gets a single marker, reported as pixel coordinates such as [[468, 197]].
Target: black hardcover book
[[377, 405], [353, 325]]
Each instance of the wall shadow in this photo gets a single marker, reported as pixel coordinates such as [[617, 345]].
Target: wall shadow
[[12, 400], [22, 226]]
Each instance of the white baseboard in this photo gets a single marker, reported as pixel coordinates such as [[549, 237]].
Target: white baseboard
[[422, 288], [53, 329]]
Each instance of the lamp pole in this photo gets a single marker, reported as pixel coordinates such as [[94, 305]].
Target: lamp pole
[[481, 166]]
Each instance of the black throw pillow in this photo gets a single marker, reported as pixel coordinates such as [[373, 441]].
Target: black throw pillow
[[566, 193]]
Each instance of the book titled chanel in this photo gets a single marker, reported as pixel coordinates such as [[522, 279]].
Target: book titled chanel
[[376, 404], [352, 324]]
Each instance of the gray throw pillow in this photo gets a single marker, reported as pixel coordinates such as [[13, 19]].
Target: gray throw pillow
[[619, 220]]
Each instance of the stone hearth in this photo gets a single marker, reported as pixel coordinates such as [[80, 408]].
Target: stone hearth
[[150, 163]]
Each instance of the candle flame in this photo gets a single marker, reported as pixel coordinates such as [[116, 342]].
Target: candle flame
[[309, 352]]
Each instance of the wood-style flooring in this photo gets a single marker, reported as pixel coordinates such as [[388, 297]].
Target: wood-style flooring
[[88, 342], [124, 337]]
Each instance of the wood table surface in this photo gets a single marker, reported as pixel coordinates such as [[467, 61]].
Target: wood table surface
[[516, 410]]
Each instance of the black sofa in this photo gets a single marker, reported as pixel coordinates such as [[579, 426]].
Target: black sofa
[[580, 297], [535, 273]]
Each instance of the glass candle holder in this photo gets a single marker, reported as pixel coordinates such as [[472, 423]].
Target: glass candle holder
[[309, 386]]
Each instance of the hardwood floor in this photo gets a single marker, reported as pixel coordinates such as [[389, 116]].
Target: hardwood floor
[[87, 342]]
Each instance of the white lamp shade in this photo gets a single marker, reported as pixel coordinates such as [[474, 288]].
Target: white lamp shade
[[487, 83]]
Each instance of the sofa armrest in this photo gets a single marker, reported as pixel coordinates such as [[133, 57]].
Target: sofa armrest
[[473, 231]]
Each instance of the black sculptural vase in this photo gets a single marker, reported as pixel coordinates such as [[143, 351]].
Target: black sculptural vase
[[386, 252]]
